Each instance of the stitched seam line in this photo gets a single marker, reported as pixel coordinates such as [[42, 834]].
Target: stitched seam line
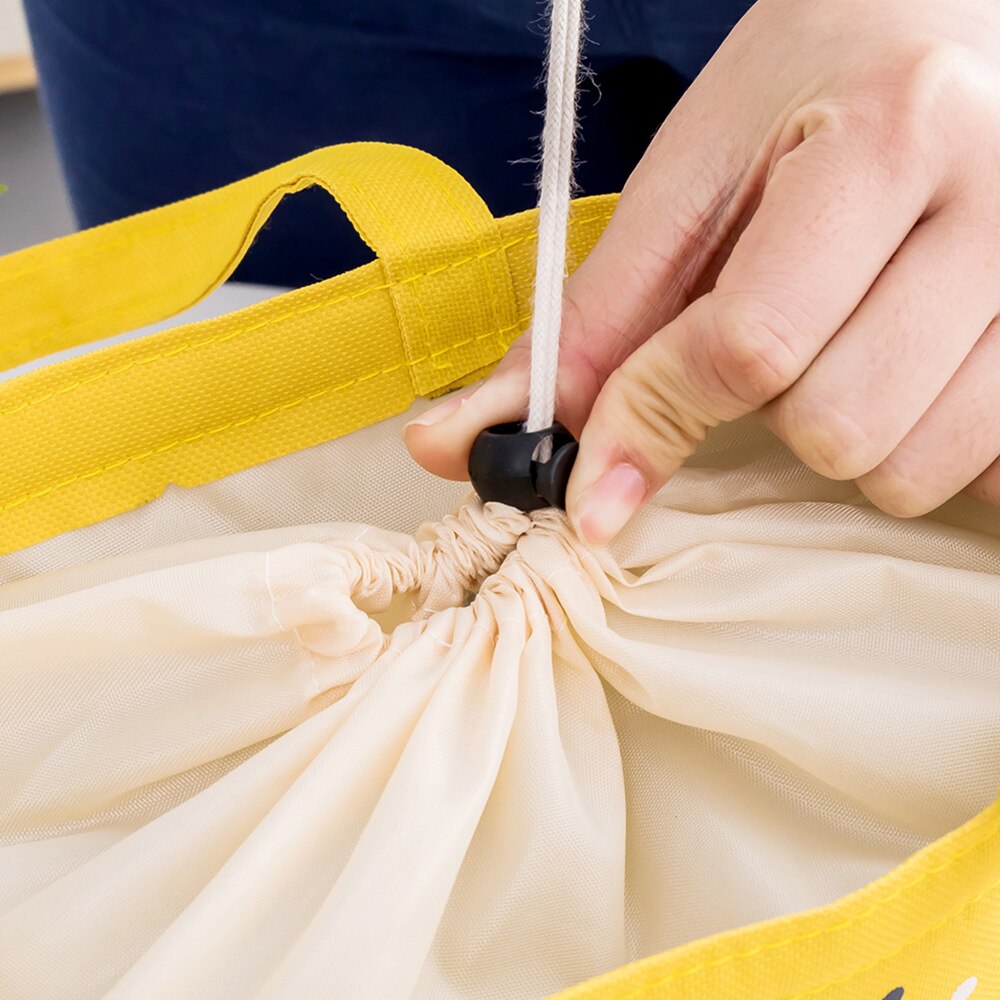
[[291, 314], [270, 592], [978, 898], [78, 255], [408, 268], [476, 232], [819, 932], [245, 421], [283, 629]]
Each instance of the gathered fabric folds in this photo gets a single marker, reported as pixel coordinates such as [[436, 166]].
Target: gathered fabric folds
[[485, 761]]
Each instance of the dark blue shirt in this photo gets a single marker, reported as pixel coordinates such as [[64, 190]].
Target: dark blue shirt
[[154, 101]]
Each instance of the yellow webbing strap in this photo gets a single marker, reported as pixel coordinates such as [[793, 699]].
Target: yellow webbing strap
[[97, 435]]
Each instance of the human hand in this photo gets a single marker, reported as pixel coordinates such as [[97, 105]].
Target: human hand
[[814, 232]]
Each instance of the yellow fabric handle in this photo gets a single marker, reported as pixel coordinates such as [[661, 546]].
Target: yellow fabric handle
[[404, 203], [97, 435]]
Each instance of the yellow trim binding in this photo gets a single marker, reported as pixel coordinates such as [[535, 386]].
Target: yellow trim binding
[[930, 926]]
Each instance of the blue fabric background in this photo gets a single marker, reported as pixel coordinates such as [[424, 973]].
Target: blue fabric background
[[155, 100]]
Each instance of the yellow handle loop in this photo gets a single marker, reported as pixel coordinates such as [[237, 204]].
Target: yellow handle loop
[[404, 203]]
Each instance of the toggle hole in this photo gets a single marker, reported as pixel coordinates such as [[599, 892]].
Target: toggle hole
[[543, 450]]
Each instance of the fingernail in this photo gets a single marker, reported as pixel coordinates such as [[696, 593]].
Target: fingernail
[[604, 509], [437, 413]]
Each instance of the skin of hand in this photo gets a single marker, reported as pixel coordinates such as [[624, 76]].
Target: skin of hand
[[813, 233]]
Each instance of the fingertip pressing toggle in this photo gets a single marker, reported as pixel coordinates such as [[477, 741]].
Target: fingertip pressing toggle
[[504, 466]]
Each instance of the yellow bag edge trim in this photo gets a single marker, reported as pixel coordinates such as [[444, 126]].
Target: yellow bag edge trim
[[85, 372], [664, 975]]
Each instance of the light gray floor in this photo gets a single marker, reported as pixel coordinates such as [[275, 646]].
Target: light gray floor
[[34, 208]]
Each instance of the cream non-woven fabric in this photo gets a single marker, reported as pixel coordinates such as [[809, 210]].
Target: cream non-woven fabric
[[338, 761]]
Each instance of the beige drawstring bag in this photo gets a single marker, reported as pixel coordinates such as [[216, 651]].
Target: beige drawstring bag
[[260, 740]]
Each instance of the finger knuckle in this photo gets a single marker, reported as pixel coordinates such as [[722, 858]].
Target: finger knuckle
[[938, 71], [894, 122], [931, 81], [751, 355]]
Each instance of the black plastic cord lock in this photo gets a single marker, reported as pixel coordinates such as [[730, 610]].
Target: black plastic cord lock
[[504, 466]]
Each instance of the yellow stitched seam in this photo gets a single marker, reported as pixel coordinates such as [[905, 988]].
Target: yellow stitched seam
[[291, 314], [408, 268], [78, 255], [993, 830], [476, 232], [281, 407], [978, 898]]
